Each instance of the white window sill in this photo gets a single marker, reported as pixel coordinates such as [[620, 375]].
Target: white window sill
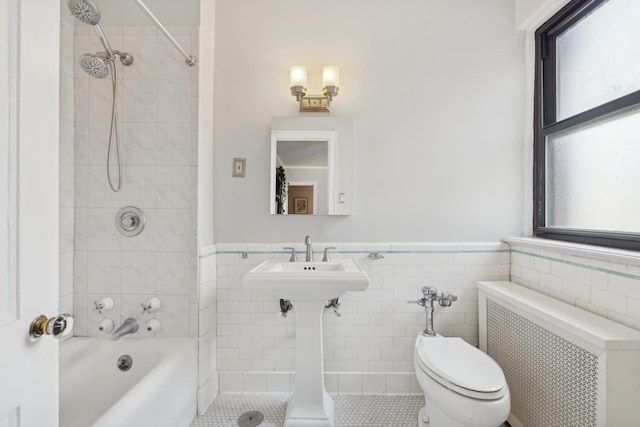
[[600, 253]]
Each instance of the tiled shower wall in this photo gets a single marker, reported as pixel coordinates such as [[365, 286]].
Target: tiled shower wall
[[607, 287], [369, 349], [66, 164], [157, 100]]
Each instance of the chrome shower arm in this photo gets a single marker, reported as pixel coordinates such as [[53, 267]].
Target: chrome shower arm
[[191, 61]]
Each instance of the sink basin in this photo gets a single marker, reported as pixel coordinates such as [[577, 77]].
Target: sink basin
[[306, 280]]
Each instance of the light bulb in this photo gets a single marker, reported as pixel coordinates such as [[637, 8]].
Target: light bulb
[[298, 76], [330, 76]]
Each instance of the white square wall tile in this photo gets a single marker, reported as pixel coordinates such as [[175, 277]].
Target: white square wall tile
[[140, 187], [173, 272], [173, 230], [140, 100], [174, 101], [100, 99], [100, 193], [174, 144], [173, 187], [104, 272], [140, 143], [101, 231], [145, 49], [138, 272]]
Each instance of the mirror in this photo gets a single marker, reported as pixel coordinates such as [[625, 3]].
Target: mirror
[[311, 165]]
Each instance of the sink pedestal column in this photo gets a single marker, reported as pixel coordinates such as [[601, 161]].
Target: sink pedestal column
[[310, 405]]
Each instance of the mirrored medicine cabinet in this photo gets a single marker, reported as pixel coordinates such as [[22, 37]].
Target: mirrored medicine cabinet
[[311, 165]]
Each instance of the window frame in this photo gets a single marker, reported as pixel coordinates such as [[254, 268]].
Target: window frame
[[546, 125]]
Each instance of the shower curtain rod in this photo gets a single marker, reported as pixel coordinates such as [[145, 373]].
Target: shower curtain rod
[[191, 61]]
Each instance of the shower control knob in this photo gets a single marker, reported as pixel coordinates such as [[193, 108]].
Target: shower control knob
[[130, 221], [57, 327]]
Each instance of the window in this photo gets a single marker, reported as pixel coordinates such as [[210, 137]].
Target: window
[[587, 124]]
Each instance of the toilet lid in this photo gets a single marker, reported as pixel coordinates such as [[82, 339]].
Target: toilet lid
[[460, 364]]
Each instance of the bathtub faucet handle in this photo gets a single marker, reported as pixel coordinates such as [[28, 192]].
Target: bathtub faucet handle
[[105, 304], [151, 305]]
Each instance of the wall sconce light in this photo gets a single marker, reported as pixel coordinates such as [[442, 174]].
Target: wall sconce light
[[315, 103]]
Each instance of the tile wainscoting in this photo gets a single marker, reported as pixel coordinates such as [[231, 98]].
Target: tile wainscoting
[[369, 349], [602, 281]]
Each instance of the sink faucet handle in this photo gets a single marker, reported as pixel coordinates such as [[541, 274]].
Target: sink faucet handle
[[307, 240], [325, 258], [293, 258]]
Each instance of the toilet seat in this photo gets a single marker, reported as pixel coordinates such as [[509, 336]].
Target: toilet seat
[[460, 367]]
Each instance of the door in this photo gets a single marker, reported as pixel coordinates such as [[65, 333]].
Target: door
[[29, 74]]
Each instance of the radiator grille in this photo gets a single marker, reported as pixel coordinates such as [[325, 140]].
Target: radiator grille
[[552, 381]]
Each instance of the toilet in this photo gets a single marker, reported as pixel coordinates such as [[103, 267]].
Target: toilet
[[463, 387]]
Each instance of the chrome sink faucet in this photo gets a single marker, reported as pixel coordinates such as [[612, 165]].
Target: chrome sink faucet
[[129, 326], [309, 256]]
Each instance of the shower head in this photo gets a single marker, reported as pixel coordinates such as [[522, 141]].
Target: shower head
[[98, 65], [84, 10], [95, 65]]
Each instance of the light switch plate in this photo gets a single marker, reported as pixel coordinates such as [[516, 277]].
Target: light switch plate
[[239, 167]]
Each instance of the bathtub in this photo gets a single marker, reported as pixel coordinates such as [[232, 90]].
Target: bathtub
[[159, 390]]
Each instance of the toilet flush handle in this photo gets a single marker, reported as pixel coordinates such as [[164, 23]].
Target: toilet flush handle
[[445, 299]]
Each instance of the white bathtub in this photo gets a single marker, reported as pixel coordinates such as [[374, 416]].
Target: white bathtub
[[159, 390]]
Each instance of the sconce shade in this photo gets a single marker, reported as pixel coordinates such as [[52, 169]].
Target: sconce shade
[[298, 76], [330, 76]]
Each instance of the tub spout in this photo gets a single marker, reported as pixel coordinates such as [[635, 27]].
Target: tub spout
[[129, 326]]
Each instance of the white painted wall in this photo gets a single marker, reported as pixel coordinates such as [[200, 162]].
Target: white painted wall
[[436, 90], [530, 14]]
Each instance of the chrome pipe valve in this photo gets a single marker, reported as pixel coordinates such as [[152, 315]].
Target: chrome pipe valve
[[285, 306], [335, 303]]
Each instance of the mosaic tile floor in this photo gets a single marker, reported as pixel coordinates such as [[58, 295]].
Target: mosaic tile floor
[[351, 410]]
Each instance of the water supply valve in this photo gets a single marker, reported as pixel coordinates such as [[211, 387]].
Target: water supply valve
[[285, 306], [445, 299], [335, 303]]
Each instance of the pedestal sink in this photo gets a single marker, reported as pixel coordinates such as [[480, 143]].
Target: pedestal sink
[[308, 285]]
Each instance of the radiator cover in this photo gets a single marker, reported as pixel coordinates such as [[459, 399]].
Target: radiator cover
[[564, 366], [552, 381]]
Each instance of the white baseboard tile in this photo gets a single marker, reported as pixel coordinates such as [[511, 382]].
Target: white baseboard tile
[[391, 383]]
